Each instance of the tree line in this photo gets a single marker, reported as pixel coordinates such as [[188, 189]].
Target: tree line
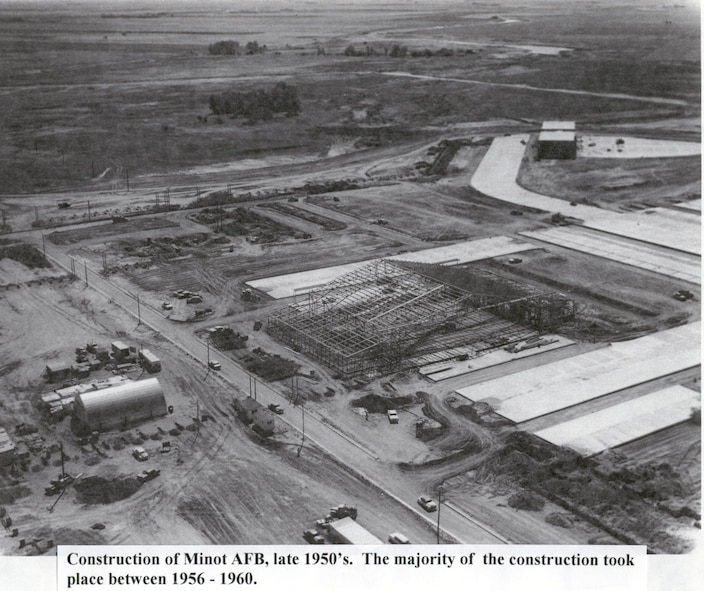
[[402, 51], [229, 47], [257, 105]]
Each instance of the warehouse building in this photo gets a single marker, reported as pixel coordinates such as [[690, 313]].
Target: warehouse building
[[557, 140], [120, 406]]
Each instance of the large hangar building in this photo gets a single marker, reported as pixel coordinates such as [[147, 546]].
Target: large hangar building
[[557, 141], [117, 407]]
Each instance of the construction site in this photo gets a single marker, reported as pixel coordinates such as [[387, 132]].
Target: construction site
[[391, 316], [471, 316]]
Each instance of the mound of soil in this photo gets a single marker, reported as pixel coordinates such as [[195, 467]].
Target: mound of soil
[[560, 520], [526, 500], [9, 494], [96, 490], [380, 404], [25, 254]]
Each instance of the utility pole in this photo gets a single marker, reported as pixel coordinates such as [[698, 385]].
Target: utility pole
[[439, 505], [139, 312], [207, 342], [252, 380], [127, 176], [85, 270], [303, 430], [44, 245]]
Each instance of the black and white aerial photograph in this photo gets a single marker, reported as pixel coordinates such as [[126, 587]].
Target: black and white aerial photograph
[[322, 272]]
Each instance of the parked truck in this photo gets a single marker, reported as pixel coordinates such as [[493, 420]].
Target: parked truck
[[348, 531]]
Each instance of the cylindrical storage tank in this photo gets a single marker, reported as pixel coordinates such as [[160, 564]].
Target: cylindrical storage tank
[[120, 406]]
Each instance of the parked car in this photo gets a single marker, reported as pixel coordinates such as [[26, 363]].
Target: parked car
[[166, 306], [147, 475], [397, 538], [140, 454], [313, 537], [276, 408], [215, 365], [393, 416], [428, 504]]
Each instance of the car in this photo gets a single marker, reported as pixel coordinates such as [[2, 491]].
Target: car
[[397, 538], [215, 365], [393, 416], [276, 408], [147, 475], [140, 454], [313, 537], [427, 503], [515, 260], [322, 524], [166, 306]]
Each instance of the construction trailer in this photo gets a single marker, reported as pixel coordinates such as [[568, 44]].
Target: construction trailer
[[149, 361], [120, 406], [392, 315], [348, 531], [7, 448]]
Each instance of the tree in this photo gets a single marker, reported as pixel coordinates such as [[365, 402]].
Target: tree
[[350, 51], [224, 48]]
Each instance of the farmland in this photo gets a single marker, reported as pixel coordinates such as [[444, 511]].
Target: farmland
[[132, 211]]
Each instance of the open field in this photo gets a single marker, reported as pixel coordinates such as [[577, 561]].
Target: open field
[[415, 141]]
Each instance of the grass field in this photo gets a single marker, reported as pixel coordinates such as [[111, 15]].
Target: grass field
[[90, 99]]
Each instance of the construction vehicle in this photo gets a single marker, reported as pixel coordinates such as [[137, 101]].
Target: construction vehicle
[[342, 511]]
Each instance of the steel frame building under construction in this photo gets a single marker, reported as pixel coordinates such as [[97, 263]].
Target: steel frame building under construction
[[388, 316]]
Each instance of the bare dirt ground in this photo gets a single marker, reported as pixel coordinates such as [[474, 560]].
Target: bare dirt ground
[[131, 103], [216, 485]]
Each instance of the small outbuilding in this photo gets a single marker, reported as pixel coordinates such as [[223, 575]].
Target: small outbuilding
[[57, 371], [120, 406], [120, 350]]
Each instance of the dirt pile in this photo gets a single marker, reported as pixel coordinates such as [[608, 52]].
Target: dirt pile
[[96, 490], [25, 254], [374, 403], [270, 367]]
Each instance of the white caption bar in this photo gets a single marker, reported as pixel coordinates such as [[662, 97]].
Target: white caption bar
[[308, 568]]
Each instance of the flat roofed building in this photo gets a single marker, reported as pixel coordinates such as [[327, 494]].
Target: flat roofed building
[[557, 145], [57, 371], [120, 406], [559, 126]]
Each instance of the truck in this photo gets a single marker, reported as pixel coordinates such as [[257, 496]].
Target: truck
[[348, 531]]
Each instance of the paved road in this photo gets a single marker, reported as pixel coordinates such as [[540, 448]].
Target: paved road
[[496, 177], [608, 95], [344, 447]]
